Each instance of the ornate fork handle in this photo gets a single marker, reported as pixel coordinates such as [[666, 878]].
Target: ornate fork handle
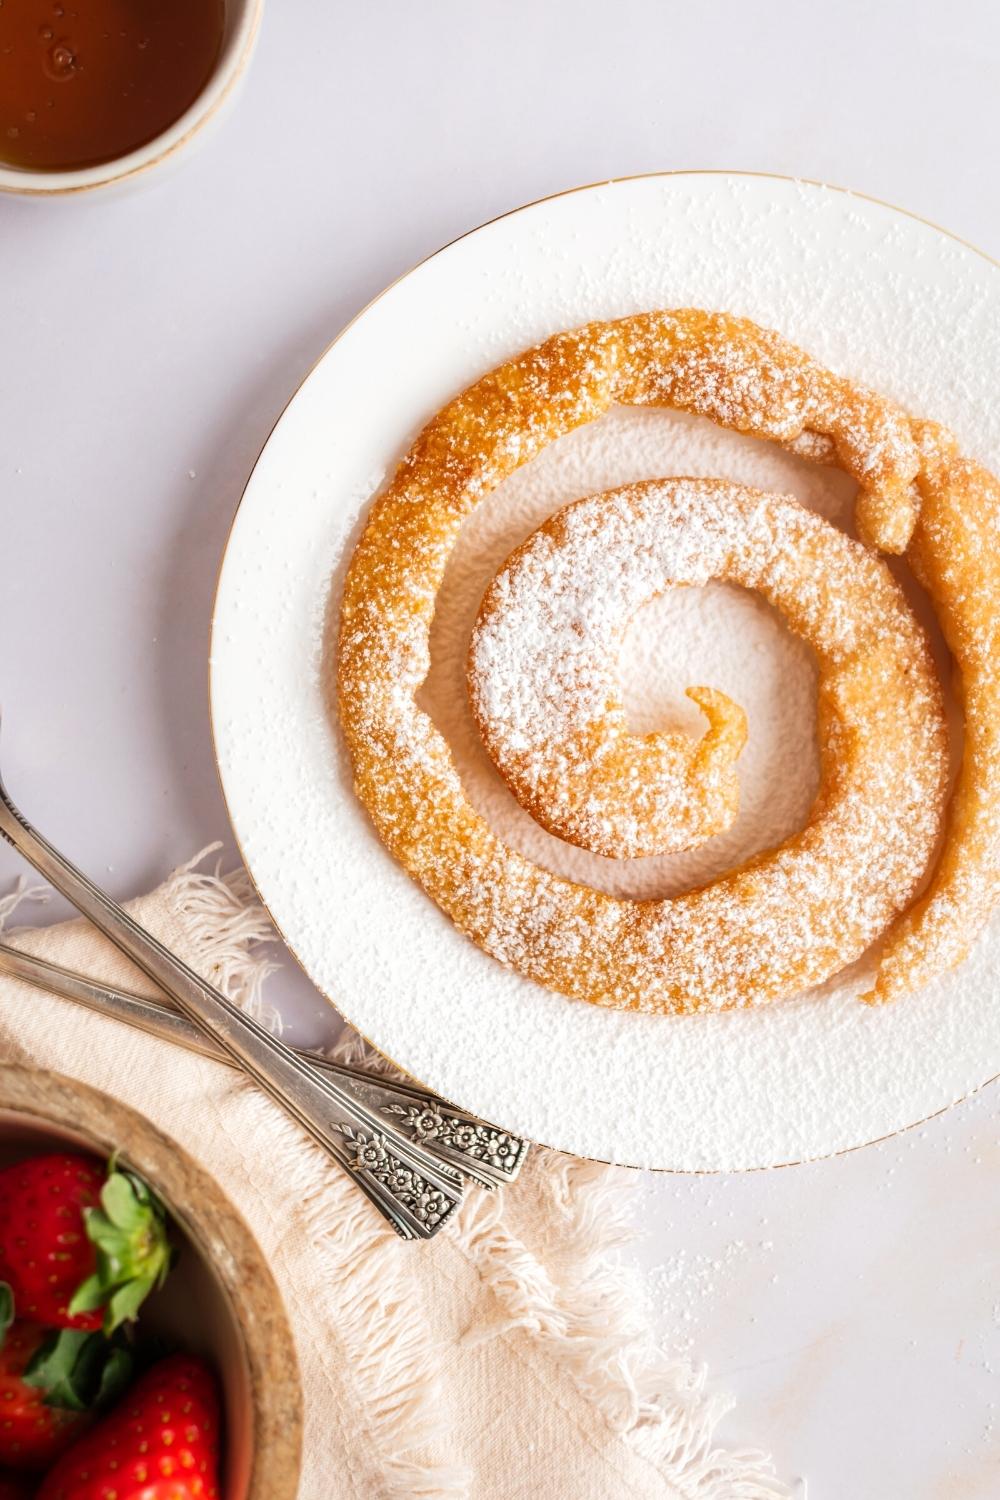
[[414, 1191], [480, 1151]]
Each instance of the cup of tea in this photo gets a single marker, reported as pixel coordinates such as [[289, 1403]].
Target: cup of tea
[[94, 91]]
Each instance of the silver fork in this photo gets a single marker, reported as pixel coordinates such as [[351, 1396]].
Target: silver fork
[[416, 1193], [482, 1152]]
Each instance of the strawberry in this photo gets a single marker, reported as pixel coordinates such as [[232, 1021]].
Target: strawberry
[[48, 1380], [44, 1250], [160, 1443], [15, 1487], [32, 1434], [79, 1247]]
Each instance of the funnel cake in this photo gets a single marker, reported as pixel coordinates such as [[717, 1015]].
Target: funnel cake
[[793, 915]]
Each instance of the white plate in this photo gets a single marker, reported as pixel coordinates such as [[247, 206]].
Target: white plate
[[882, 296]]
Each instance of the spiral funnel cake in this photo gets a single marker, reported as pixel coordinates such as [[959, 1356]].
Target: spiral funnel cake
[[793, 915]]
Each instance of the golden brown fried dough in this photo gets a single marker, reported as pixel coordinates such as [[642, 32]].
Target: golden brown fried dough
[[544, 691], [955, 553], [790, 917]]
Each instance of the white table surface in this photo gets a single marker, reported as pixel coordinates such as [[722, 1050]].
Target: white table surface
[[149, 340]]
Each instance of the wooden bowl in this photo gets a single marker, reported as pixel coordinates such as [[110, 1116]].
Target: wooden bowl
[[221, 1300]]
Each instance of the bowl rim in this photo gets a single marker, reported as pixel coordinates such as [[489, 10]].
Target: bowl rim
[[230, 65], [218, 1231]]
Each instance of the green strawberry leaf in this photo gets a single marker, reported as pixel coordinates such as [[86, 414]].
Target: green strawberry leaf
[[53, 1368], [78, 1371], [88, 1295], [134, 1256], [115, 1376], [122, 1203], [6, 1310], [124, 1304]]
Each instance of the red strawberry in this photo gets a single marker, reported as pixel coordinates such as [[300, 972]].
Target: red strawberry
[[160, 1443], [48, 1381], [44, 1251], [79, 1247], [15, 1487], [32, 1434]]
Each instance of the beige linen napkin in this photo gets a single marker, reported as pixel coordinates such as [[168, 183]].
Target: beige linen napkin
[[506, 1358]]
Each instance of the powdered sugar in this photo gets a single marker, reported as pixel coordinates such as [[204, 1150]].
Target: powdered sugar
[[544, 688]]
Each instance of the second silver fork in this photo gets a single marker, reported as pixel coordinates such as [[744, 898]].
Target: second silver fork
[[480, 1151]]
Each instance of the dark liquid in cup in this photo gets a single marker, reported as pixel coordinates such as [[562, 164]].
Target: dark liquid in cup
[[85, 81]]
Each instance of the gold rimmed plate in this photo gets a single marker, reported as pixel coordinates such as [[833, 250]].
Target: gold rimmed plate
[[876, 293]]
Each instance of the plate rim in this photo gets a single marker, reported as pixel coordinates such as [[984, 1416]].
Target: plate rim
[[720, 172]]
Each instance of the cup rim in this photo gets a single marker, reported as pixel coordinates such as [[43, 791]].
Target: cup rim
[[232, 60]]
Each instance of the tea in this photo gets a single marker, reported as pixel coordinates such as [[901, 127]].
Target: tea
[[85, 81]]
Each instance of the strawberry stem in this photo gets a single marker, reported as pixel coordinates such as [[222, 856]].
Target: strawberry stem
[[134, 1256]]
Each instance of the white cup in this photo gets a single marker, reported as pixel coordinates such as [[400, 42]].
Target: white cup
[[242, 19]]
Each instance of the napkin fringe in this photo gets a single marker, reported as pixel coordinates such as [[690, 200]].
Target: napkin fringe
[[593, 1323], [393, 1362], [225, 921], [20, 896]]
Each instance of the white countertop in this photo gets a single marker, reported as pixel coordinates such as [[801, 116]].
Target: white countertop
[[150, 339]]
